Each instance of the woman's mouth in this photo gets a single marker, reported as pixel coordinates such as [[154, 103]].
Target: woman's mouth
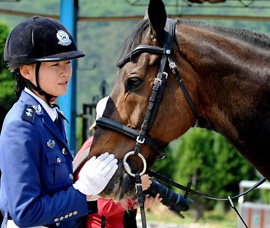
[[65, 83]]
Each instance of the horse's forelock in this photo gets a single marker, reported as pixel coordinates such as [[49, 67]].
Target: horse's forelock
[[134, 38]]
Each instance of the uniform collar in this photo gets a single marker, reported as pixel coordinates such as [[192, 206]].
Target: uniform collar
[[51, 111]]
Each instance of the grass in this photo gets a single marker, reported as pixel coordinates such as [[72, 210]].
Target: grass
[[212, 219]]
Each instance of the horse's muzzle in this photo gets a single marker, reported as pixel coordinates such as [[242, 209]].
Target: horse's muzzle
[[121, 186]]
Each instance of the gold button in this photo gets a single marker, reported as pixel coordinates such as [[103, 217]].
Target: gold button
[[70, 214], [64, 151], [66, 216], [58, 160], [61, 218], [75, 212], [56, 220]]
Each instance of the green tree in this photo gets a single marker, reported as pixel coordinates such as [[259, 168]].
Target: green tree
[[165, 166], [7, 96], [212, 165]]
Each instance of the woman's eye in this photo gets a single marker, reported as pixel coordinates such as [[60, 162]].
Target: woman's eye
[[132, 84]]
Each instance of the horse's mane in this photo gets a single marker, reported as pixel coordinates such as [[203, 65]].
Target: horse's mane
[[254, 38]]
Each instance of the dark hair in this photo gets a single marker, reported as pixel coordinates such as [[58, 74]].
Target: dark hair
[[20, 83]]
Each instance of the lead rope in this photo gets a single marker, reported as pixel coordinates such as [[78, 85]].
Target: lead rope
[[140, 196], [138, 182]]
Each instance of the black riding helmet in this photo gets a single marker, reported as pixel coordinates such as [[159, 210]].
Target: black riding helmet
[[37, 40]]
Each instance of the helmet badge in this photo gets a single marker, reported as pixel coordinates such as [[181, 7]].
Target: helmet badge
[[63, 38]]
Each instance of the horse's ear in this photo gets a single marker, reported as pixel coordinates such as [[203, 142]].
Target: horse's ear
[[157, 17], [146, 14]]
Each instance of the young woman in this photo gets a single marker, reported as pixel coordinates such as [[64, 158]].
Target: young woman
[[37, 187]]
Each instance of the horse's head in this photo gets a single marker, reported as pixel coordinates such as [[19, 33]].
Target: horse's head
[[129, 103]]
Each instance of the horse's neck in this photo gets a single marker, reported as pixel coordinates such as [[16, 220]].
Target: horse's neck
[[233, 85]]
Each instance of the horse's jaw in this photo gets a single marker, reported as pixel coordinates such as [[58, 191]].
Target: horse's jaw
[[121, 186]]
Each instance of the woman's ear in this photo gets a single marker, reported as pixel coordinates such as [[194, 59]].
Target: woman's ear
[[27, 71]]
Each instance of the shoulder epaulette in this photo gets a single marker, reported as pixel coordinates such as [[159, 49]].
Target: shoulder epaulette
[[29, 113]]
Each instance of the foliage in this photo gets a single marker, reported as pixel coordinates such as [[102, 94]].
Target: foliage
[[203, 156], [165, 166], [7, 96], [101, 41], [212, 165]]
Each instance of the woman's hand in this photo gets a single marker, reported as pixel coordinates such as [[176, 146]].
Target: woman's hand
[[150, 201], [146, 182]]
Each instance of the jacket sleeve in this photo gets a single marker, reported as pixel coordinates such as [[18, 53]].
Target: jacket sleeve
[[22, 187]]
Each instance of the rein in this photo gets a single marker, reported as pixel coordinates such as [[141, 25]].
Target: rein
[[188, 190], [153, 106]]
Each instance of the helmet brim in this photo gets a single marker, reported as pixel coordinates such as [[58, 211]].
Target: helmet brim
[[52, 58]]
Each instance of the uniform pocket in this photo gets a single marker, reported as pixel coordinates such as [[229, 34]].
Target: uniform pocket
[[57, 172]]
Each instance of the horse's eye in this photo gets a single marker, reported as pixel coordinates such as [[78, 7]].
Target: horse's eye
[[132, 84]]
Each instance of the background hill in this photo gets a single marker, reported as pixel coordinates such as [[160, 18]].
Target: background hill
[[101, 41]]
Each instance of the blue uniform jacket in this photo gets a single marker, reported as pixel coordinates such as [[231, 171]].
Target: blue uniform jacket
[[36, 165]]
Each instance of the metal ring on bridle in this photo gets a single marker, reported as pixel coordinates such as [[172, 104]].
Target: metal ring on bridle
[[128, 169]]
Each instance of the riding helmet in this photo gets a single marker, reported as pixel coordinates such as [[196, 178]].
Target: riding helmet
[[39, 39]]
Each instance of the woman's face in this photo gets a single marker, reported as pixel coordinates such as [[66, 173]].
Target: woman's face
[[53, 76]]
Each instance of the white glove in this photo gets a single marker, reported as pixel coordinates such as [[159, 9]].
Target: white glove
[[95, 174]]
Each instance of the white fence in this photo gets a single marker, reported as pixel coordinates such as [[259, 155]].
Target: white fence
[[256, 215]]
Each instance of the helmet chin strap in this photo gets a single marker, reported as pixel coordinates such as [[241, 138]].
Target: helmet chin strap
[[49, 98]]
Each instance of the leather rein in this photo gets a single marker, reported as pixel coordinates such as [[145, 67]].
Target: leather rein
[[141, 136]]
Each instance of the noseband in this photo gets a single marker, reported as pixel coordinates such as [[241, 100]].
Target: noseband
[[157, 92]]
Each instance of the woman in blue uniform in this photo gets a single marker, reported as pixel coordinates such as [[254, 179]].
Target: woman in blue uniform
[[37, 188]]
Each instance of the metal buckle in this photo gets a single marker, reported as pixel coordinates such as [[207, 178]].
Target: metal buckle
[[158, 80], [172, 65], [138, 140], [165, 74]]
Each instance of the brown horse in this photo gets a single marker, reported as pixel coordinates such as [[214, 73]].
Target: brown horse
[[226, 75]]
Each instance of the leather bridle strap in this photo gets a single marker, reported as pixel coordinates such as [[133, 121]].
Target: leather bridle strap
[[137, 51], [157, 92], [159, 82], [166, 180], [115, 126], [179, 79]]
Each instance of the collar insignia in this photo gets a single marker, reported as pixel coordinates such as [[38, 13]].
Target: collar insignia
[[37, 108]]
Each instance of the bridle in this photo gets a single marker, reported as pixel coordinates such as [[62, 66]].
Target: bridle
[[157, 92], [155, 99]]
